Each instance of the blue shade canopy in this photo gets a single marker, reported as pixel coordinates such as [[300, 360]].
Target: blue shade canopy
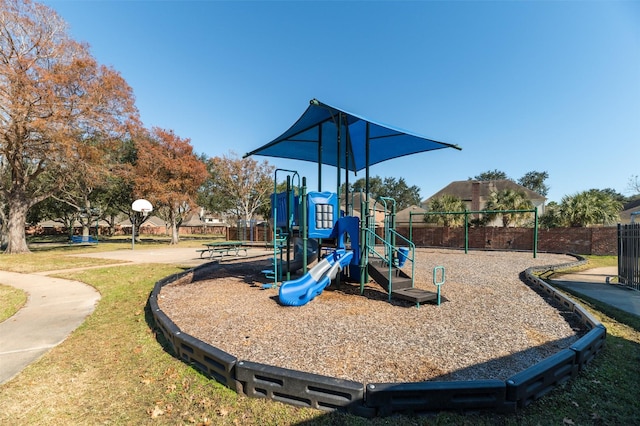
[[331, 136]]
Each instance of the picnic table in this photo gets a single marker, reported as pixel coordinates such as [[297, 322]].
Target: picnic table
[[221, 248]]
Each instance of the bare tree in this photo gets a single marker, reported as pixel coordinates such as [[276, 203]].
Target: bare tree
[[634, 184], [239, 186]]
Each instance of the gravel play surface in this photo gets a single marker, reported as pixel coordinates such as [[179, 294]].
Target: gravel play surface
[[490, 325]]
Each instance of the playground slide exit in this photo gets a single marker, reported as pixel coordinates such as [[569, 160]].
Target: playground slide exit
[[301, 291]]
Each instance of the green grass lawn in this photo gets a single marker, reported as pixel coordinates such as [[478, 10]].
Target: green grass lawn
[[11, 299], [113, 370]]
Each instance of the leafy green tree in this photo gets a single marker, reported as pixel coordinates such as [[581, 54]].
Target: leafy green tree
[[592, 207], [551, 217], [404, 194], [376, 187], [509, 199], [56, 211], [446, 203], [491, 175], [535, 181], [390, 187], [114, 199], [611, 193], [87, 173]]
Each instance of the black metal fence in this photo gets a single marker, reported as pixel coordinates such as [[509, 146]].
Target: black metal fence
[[629, 255]]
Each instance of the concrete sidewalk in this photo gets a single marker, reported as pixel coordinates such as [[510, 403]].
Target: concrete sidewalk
[[593, 283], [54, 309]]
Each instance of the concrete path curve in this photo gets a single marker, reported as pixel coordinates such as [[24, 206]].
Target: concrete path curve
[[54, 308]]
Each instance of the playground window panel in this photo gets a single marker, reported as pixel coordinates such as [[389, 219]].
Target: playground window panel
[[324, 216]]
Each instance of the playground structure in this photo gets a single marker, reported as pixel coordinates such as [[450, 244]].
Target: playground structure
[[354, 251], [330, 136]]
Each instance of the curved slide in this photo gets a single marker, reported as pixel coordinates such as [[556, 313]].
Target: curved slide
[[304, 289]]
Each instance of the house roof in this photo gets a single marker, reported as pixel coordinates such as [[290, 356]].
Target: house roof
[[151, 221], [463, 189], [631, 207], [193, 220], [405, 215]]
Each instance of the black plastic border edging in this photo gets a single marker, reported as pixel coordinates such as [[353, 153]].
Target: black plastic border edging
[[431, 397], [381, 399], [301, 388], [539, 379]]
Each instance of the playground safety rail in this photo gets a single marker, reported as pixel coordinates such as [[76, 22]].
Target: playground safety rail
[[390, 252], [382, 399]]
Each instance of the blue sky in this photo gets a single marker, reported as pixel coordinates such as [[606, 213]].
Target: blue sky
[[520, 86]]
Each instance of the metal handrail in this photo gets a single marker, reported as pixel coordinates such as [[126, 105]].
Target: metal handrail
[[388, 256], [412, 252]]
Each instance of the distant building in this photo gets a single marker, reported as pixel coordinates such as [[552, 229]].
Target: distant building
[[475, 194], [410, 215], [628, 209]]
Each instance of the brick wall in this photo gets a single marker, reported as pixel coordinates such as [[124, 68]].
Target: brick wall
[[597, 241]]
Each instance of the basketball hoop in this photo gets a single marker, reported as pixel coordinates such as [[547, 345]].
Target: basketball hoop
[[140, 206]]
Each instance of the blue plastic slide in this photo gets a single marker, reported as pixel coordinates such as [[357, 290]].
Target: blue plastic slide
[[304, 289]]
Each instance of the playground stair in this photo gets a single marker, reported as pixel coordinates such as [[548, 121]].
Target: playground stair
[[401, 285], [379, 271]]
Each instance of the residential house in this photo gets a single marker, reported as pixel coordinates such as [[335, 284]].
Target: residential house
[[410, 215], [476, 194], [630, 212]]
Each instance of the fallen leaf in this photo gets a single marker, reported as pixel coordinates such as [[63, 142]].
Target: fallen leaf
[[575, 403], [156, 412], [567, 421], [222, 412]]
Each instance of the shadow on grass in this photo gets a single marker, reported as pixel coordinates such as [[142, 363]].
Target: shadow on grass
[[160, 338]]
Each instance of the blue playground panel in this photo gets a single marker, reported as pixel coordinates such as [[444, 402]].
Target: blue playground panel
[[322, 213], [281, 204]]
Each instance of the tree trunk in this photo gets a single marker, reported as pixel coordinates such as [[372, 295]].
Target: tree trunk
[[85, 229], [174, 228], [4, 240], [17, 239]]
